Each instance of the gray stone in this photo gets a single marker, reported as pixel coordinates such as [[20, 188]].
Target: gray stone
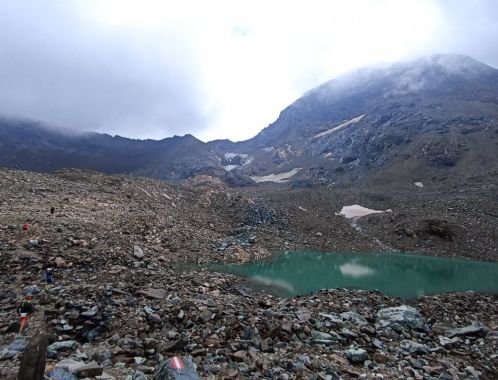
[[239, 356], [473, 372], [353, 316], [90, 313], [61, 374], [138, 375], [91, 369], [153, 293], [13, 349], [418, 363], [6, 354], [356, 355], [492, 335], [303, 314], [333, 318], [139, 360], [414, 348], [476, 328], [70, 365], [404, 315], [31, 289], [63, 345], [447, 342], [348, 334], [325, 338], [138, 252]]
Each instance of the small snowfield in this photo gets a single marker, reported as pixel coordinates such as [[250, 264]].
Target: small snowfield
[[278, 178], [356, 211]]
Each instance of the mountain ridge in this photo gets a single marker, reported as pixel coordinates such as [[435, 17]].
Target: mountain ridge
[[427, 115]]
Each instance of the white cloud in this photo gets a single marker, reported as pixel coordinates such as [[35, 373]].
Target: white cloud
[[218, 69]]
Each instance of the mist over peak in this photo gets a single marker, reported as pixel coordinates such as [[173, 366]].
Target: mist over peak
[[423, 74]]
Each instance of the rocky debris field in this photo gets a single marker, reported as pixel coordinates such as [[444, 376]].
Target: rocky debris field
[[117, 307], [461, 223]]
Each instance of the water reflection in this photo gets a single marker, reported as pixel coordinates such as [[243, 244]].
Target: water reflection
[[395, 274], [355, 270], [276, 284]]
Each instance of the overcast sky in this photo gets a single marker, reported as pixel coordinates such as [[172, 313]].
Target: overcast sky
[[215, 69]]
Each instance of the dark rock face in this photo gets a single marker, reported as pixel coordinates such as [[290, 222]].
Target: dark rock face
[[440, 228], [30, 146]]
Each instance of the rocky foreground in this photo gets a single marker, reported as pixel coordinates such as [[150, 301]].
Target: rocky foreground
[[118, 308]]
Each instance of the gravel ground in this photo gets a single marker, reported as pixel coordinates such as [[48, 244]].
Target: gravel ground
[[117, 302]]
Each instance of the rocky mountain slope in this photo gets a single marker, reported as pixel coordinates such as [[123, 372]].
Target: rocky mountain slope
[[119, 306], [432, 121], [31, 146]]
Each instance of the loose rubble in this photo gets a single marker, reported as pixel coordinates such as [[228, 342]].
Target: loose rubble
[[119, 308]]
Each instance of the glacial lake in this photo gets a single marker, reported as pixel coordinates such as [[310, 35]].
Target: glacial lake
[[403, 275]]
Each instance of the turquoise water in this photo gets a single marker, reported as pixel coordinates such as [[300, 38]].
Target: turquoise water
[[403, 275]]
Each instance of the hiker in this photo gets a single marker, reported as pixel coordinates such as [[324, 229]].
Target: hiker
[[24, 311], [52, 210], [48, 276]]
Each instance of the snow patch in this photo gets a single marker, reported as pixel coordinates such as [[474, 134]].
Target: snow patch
[[356, 211], [278, 178], [419, 184], [248, 161], [328, 155], [234, 159], [340, 126]]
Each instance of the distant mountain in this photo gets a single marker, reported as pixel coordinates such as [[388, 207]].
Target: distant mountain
[[426, 120], [432, 120]]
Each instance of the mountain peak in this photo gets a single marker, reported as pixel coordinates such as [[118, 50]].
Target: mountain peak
[[423, 74], [443, 65]]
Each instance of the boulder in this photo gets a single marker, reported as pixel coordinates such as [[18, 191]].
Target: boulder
[[447, 342], [91, 369], [476, 328], [61, 374], [138, 252], [66, 345], [156, 293], [414, 348], [13, 349], [325, 338], [70, 365], [356, 355], [354, 317], [404, 315], [60, 262]]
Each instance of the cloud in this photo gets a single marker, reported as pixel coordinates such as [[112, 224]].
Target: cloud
[[216, 69], [61, 67], [471, 28]]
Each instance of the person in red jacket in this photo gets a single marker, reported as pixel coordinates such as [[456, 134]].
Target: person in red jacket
[[24, 311]]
